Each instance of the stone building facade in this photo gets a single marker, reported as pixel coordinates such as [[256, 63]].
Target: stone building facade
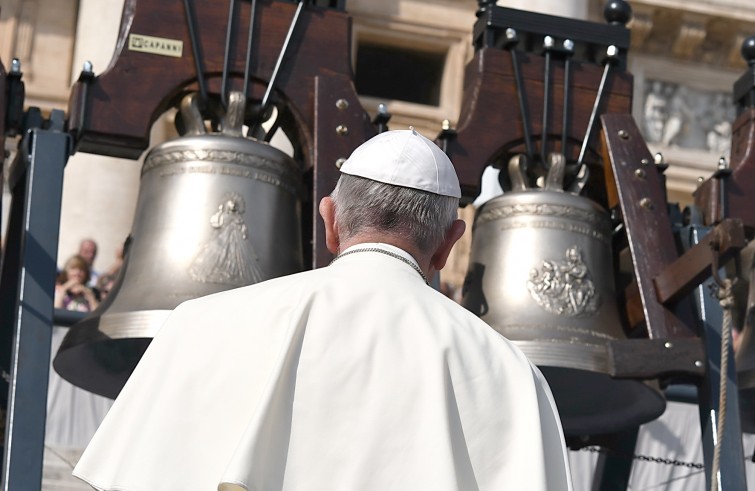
[[684, 56]]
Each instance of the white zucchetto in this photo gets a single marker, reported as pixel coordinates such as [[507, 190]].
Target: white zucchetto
[[404, 158]]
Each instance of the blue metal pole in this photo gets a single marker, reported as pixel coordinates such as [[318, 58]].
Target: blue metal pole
[[731, 474], [38, 182]]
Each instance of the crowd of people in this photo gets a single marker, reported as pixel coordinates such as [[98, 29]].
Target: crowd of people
[[79, 286]]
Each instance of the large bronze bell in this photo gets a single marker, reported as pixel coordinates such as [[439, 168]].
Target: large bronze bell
[[541, 274], [215, 211]]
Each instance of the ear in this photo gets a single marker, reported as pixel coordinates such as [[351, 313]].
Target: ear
[[438, 260], [328, 213]]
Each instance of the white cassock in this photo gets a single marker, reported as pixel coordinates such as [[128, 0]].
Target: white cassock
[[353, 377]]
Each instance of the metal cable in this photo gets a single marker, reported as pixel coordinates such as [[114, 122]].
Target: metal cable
[[645, 458]]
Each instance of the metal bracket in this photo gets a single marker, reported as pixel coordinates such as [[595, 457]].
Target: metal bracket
[[639, 191], [656, 358]]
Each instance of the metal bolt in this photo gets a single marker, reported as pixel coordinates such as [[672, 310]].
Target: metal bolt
[[646, 203], [645, 162], [510, 33], [612, 51], [668, 345], [548, 42], [382, 108], [445, 125], [88, 67], [342, 130], [640, 174], [623, 135], [658, 158], [15, 66], [342, 104], [568, 45], [723, 163], [340, 162], [698, 364]]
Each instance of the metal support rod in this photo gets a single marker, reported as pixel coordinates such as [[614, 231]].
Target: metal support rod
[[279, 62], [382, 117], [227, 53], [611, 53], [547, 46], [569, 47], [249, 41], [511, 42], [722, 176], [613, 468], [446, 133], [191, 22], [43, 153]]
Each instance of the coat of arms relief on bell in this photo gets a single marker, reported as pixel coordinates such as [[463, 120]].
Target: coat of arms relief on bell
[[564, 287]]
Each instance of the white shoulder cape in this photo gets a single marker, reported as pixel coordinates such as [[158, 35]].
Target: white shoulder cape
[[353, 377]]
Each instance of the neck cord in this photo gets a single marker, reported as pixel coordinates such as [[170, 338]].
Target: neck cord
[[387, 253]]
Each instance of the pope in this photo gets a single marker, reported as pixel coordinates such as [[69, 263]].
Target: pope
[[357, 376]]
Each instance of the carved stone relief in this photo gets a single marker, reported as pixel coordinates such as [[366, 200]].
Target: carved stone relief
[[676, 30], [675, 115]]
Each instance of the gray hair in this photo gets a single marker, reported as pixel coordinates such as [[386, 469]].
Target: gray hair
[[364, 205]]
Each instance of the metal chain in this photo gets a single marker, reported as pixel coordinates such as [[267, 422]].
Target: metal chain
[[387, 253], [645, 458]]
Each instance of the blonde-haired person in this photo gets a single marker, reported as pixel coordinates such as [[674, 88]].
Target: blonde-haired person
[[71, 290]]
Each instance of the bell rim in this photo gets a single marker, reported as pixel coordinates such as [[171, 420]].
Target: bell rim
[[579, 355], [614, 404], [617, 404], [117, 340], [116, 325]]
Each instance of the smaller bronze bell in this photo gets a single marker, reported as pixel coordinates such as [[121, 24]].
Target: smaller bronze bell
[[541, 274], [214, 212]]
